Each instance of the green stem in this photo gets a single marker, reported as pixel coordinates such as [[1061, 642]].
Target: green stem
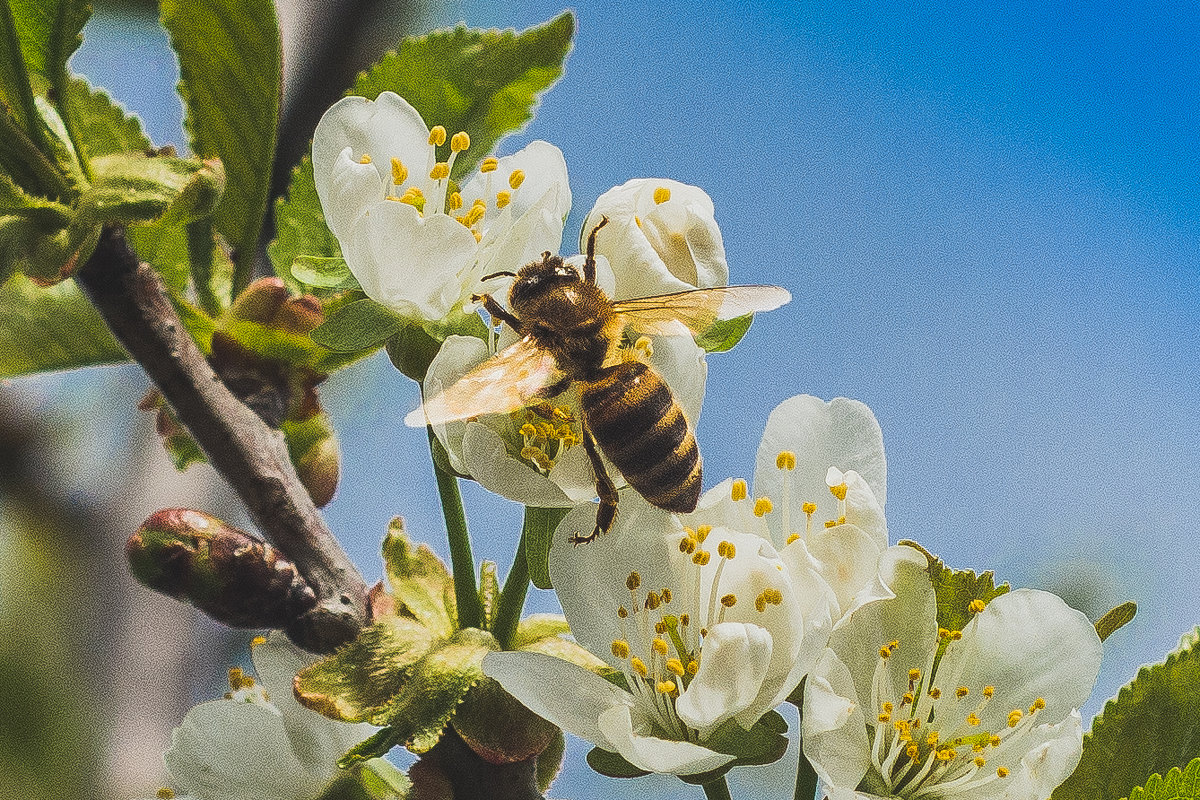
[[470, 609], [200, 247], [512, 596], [806, 779], [717, 790]]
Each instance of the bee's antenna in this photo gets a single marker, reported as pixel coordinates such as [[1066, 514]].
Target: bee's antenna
[[589, 263], [501, 274]]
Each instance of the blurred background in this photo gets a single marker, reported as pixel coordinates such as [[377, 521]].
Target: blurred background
[[988, 215]]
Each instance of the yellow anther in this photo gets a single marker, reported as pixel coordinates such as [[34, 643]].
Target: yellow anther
[[440, 171], [661, 195], [165, 793], [639, 666], [961, 692], [516, 178], [729, 600], [687, 545], [659, 646], [809, 508], [763, 506], [675, 667], [914, 675], [980, 761], [1014, 717], [665, 687], [738, 490], [793, 537], [932, 739], [622, 612], [785, 460], [701, 557], [988, 691], [503, 199], [236, 676], [693, 667], [885, 717], [454, 202], [894, 644], [912, 751], [888, 708], [831, 523], [760, 604], [364, 159], [666, 596], [1001, 772], [972, 720], [538, 457], [935, 693], [839, 491], [660, 628], [1037, 706], [490, 164], [652, 600], [976, 606], [685, 619], [994, 741], [633, 582], [257, 640], [773, 596], [976, 748], [620, 649], [459, 142], [702, 533], [725, 549], [907, 699], [885, 652], [955, 635], [528, 431], [944, 633], [437, 136]]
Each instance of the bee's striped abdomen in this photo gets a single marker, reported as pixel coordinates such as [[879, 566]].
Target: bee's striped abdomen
[[633, 416]]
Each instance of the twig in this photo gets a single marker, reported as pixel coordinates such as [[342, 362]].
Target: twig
[[249, 454]]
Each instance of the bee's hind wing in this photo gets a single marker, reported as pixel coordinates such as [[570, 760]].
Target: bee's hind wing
[[698, 309], [508, 381]]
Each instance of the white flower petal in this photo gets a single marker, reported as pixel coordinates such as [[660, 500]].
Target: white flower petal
[[683, 365], [570, 696], [847, 558], [736, 659], [833, 727], [408, 262], [1049, 762], [351, 188], [544, 168], [649, 752]]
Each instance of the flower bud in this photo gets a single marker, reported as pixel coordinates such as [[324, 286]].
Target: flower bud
[[259, 301], [228, 574]]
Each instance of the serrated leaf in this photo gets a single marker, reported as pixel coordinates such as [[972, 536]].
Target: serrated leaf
[[16, 93], [955, 589], [49, 33], [163, 245], [1175, 785], [360, 679], [230, 72], [540, 524], [1151, 726], [420, 581], [486, 83], [1115, 619], [101, 123], [724, 334], [44, 329], [361, 325], [300, 228], [613, 765], [439, 682]]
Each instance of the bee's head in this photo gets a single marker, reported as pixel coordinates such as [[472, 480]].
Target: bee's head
[[539, 277]]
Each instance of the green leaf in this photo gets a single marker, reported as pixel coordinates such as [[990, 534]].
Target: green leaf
[[360, 679], [383, 780], [550, 761], [613, 765], [163, 245], [51, 329], [1152, 725], [361, 325], [19, 21], [49, 33], [1177, 785], [135, 188], [540, 524], [498, 727], [955, 589], [440, 681], [724, 334], [1115, 619], [419, 580], [300, 228], [102, 125], [486, 83], [230, 72], [323, 272], [764, 743]]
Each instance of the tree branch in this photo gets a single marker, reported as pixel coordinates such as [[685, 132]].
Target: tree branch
[[249, 454]]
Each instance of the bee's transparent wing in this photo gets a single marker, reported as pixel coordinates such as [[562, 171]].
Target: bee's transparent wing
[[698, 309], [508, 381]]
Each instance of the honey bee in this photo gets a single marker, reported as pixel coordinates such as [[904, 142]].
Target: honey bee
[[572, 333]]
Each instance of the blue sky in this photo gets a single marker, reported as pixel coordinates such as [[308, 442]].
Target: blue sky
[[989, 216]]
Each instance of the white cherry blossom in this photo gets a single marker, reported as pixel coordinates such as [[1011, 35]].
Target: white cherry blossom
[[898, 708], [707, 628], [411, 243]]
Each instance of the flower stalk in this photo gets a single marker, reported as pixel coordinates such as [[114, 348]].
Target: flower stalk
[[462, 562]]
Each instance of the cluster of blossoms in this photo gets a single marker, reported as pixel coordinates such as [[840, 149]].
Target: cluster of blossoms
[[706, 621]]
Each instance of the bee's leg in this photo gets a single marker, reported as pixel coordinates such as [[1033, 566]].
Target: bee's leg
[[589, 263], [605, 488], [543, 408], [496, 310]]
